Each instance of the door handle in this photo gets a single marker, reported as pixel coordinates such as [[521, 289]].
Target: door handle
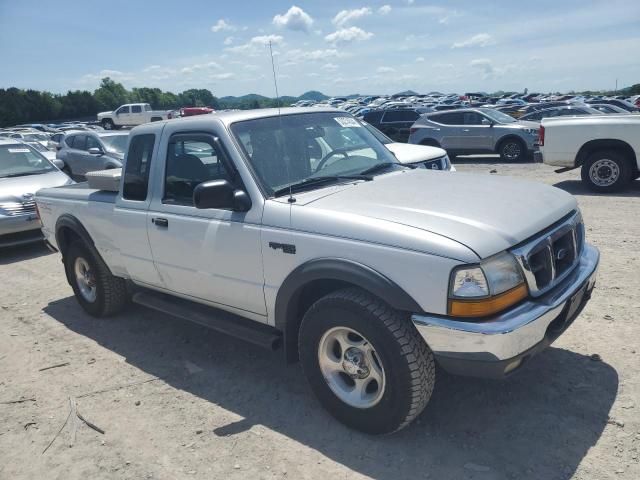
[[160, 222], [465, 130]]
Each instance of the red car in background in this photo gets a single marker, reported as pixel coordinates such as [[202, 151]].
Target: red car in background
[[191, 111]]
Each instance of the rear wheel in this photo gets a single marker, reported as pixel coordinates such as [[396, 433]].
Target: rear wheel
[[606, 171], [99, 293], [512, 150], [366, 362]]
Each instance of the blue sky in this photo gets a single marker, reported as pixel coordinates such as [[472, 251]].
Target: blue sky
[[337, 47]]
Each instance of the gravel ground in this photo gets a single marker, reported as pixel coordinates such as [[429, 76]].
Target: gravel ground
[[215, 407]]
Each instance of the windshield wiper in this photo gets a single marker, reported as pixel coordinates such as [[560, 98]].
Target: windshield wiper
[[379, 167], [316, 181]]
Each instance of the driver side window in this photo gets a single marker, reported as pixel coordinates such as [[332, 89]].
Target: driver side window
[[191, 160]]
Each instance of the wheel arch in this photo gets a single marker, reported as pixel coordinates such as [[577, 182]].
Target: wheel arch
[[606, 144], [69, 229], [507, 137], [430, 142], [315, 279]]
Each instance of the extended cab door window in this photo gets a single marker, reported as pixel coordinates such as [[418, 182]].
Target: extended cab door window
[[136, 172], [191, 160], [136, 109]]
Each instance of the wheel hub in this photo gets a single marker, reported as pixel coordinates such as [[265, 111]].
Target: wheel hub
[[355, 364], [604, 172]]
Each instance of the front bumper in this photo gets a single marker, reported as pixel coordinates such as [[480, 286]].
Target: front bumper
[[501, 345], [19, 229]]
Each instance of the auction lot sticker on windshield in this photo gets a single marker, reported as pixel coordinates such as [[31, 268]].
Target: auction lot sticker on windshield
[[19, 150], [347, 122]]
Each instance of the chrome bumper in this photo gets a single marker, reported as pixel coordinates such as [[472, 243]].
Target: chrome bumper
[[499, 342]]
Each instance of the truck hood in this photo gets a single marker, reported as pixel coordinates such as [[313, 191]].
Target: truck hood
[[105, 114], [486, 213], [408, 153], [14, 189]]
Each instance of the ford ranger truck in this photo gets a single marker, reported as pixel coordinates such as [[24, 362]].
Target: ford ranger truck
[[606, 148], [297, 229]]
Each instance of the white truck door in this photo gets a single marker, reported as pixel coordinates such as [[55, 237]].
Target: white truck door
[[131, 211], [206, 254], [122, 115], [136, 116]]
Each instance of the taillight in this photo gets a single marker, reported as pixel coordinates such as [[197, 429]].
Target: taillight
[[412, 130], [541, 136]]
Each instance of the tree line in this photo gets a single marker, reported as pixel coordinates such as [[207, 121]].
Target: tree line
[[18, 106]]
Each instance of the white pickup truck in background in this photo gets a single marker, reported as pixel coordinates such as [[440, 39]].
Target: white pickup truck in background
[[131, 114], [606, 147]]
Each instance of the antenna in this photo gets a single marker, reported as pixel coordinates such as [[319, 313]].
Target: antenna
[[275, 81]]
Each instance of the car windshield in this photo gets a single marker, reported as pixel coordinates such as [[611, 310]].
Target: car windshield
[[36, 137], [38, 146], [18, 160], [498, 116], [115, 143], [291, 149], [378, 134]]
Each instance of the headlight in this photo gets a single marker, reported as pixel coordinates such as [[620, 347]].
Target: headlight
[[485, 289]]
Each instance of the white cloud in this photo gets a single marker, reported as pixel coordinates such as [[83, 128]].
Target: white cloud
[[200, 66], [410, 2], [330, 66], [479, 40], [222, 76], [294, 19], [346, 16], [256, 44], [228, 41], [420, 59], [348, 35], [297, 55], [385, 69], [485, 66], [223, 26], [384, 10]]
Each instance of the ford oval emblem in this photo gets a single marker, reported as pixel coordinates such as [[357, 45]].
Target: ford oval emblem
[[27, 197]]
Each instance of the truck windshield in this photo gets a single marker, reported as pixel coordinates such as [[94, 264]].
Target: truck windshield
[[115, 143], [19, 160], [291, 149]]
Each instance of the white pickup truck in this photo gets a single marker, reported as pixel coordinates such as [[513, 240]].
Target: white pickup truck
[[131, 114], [605, 147], [299, 229]]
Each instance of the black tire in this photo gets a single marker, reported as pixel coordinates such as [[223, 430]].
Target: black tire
[[607, 171], [110, 292], [512, 150], [407, 361], [108, 124]]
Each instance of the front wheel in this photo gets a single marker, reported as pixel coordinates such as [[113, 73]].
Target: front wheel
[[366, 362], [107, 124], [606, 171], [99, 293], [512, 150]]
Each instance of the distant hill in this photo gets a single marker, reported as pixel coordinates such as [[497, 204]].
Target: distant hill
[[313, 95]]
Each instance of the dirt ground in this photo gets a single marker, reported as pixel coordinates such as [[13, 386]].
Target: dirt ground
[[215, 407]]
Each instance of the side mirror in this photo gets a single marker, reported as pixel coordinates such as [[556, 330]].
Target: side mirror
[[222, 195], [58, 163], [486, 121], [95, 151]]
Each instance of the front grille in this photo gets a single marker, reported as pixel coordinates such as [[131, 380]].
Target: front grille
[[550, 257], [18, 208]]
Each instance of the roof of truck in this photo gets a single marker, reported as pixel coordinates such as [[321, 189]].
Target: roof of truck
[[239, 115]]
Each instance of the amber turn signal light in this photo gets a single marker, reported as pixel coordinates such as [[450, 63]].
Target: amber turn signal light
[[487, 306]]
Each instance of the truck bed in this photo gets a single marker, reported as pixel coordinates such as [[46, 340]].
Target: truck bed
[[79, 192]]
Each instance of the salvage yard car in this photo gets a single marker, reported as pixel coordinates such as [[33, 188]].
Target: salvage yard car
[[86, 151], [367, 271], [23, 171], [605, 147], [131, 114], [477, 130]]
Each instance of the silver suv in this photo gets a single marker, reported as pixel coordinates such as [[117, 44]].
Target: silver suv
[[476, 130], [85, 151]]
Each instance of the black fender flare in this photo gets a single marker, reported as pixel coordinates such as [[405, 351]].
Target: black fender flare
[[69, 222], [342, 271]]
